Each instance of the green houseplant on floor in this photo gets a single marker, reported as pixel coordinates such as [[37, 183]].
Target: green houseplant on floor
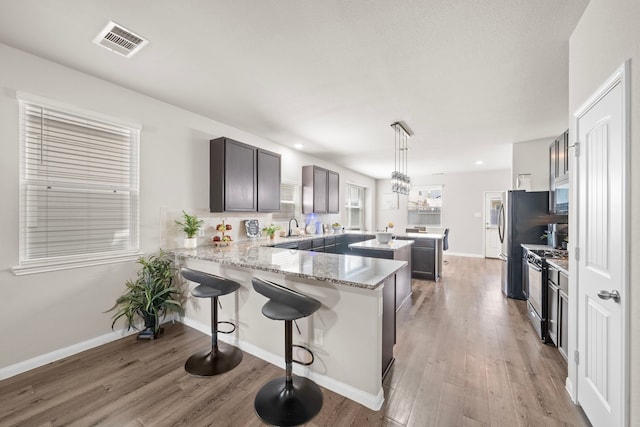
[[151, 296]]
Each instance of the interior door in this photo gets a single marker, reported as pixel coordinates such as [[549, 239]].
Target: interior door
[[602, 263], [492, 245]]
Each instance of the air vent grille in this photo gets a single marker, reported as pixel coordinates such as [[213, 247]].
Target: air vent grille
[[120, 40]]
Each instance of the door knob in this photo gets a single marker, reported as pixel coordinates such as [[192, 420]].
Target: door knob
[[615, 295]]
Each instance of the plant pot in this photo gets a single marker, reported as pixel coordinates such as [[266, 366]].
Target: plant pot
[[149, 332], [272, 236], [190, 243]]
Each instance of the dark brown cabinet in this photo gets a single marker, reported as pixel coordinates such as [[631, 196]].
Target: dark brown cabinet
[[268, 181], [426, 257], [242, 178], [320, 190]]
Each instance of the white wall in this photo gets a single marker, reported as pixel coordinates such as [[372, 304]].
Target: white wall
[[608, 34], [45, 312], [462, 210], [531, 158]]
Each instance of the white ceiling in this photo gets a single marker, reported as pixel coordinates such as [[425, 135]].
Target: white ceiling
[[468, 77]]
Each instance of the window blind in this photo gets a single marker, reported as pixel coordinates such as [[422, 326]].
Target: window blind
[[79, 186], [354, 206], [288, 203]]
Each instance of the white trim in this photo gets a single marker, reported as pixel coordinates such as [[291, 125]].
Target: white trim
[[46, 267], [55, 355], [449, 253], [56, 105], [620, 76], [368, 400], [568, 385]]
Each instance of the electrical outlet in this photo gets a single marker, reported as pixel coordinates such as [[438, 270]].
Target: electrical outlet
[[318, 337]]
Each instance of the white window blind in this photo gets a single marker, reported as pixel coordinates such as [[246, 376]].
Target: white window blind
[[78, 187], [288, 203], [354, 206]]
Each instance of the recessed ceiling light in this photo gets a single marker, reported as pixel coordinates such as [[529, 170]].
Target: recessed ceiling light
[[298, 146], [479, 162]]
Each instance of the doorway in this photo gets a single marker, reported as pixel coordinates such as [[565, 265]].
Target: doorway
[[492, 201]]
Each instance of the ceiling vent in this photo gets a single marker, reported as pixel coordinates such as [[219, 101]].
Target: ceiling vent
[[120, 40]]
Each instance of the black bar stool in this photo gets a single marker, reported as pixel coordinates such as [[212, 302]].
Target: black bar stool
[[291, 400], [222, 357]]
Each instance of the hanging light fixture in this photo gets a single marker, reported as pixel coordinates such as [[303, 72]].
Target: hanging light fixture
[[400, 181]]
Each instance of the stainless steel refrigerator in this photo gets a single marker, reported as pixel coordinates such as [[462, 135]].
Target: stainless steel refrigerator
[[522, 218]]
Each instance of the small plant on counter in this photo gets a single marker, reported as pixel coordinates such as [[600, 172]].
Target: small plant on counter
[[271, 230], [190, 225], [150, 296]]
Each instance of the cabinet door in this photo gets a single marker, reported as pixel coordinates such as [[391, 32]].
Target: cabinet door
[[423, 262], [563, 327], [320, 181], [240, 177], [268, 181], [552, 308], [333, 192]]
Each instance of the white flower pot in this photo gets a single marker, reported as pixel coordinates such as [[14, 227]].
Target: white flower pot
[[190, 243]]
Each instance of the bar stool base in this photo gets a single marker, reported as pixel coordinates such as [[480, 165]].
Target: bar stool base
[[206, 363], [281, 406]]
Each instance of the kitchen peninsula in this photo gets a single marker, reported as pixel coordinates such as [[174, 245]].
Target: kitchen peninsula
[[349, 334]]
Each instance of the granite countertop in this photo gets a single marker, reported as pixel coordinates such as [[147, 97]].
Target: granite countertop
[[349, 270], [393, 245]]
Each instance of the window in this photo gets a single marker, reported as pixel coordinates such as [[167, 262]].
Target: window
[[354, 207], [425, 206], [78, 188], [288, 203]]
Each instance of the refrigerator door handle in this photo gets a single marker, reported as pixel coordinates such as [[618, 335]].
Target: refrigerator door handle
[[501, 223]]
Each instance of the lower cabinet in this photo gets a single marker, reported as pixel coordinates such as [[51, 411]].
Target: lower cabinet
[[426, 258], [388, 323]]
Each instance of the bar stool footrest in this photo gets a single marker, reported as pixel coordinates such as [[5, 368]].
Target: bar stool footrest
[[227, 323], [308, 351]]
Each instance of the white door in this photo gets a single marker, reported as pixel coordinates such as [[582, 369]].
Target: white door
[[602, 247], [492, 246]]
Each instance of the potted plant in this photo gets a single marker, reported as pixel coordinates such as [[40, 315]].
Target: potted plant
[[271, 230], [150, 296], [190, 225]]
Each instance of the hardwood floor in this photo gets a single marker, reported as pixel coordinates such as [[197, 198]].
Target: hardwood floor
[[465, 356]]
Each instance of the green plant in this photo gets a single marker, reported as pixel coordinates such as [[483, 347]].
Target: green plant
[[190, 224], [151, 295], [271, 229]]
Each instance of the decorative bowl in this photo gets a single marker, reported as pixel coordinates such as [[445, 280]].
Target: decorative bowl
[[383, 236]]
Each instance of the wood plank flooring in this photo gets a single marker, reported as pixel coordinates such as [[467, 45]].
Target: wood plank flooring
[[465, 356]]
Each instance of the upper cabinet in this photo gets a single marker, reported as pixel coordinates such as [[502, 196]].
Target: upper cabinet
[[242, 178], [268, 181], [320, 190], [559, 174]]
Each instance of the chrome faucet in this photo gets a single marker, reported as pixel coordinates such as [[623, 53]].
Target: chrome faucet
[[292, 219]]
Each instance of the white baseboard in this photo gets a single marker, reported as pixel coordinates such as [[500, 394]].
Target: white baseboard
[[449, 253], [368, 400], [55, 355]]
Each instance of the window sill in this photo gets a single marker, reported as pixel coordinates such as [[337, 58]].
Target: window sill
[[45, 267]]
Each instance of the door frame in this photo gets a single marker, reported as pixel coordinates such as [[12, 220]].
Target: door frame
[[484, 217], [620, 76]]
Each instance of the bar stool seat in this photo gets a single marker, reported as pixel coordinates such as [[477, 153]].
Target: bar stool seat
[[289, 400], [221, 357]]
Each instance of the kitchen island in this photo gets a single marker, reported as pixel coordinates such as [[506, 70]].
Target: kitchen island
[[426, 254], [347, 334], [396, 249]]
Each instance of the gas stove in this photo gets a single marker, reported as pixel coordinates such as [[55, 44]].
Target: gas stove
[[549, 253]]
